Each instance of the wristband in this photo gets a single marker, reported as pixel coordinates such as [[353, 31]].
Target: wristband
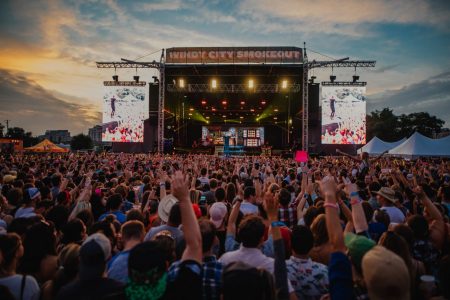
[[305, 195], [277, 224], [353, 194], [330, 204], [162, 184], [355, 201]]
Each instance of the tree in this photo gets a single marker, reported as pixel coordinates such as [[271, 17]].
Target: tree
[[389, 127], [80, 142], [19, 133], [382, 124]]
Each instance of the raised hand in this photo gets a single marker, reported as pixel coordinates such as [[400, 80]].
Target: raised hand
[[180, 186]]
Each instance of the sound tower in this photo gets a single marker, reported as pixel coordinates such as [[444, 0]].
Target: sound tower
[[314, 117]]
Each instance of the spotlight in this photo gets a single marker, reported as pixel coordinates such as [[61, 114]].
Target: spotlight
[[284, 84], [207, 117], [241, 117], [181, 83], [213, 109], [213, 83], [251, 84], [242, 102], [203, 102], [275, 110], [190, 114], [252, 110], [136, 78], [116, 78], [355, 78], [224, 102], [224, 116], [275, 118], [332, 78], [263, 102], [191, 109]]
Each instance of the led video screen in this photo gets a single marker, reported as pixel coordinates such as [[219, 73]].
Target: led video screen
[[343, 115], [238, 136], [124, 110]]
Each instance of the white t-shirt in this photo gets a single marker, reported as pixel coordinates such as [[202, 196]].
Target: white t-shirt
[[395, 214], [31, 289], [248, 208]]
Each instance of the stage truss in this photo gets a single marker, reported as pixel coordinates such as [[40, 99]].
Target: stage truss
[[233, 88], [239, 88]]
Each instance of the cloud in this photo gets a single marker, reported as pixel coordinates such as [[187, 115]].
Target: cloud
[[36, 109], [431, 95], [330, 14], [155, 6]]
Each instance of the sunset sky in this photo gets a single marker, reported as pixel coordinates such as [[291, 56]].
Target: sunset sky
[[48, 49]]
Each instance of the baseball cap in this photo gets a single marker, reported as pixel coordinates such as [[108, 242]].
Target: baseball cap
[[386, 275], [164, 207], [94, 252], [33, 193], [357, 247], [218, 212]]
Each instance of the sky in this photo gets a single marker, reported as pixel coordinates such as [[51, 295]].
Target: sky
[[48, 49]]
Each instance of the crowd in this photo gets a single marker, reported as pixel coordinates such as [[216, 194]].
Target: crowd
[[148, 226]]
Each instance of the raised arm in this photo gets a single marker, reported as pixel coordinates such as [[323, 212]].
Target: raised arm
[[231, 227], [191, 229], [334, 228]]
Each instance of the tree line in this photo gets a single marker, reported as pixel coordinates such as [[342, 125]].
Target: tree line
[[390, 127]]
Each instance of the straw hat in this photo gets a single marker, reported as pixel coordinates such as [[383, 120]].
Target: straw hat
[[388, 194]]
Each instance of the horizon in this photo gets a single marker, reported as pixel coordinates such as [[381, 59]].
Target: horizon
[[49, 80]]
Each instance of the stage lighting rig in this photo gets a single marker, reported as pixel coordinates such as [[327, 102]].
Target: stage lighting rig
[[355, 78], [181, 83], [136, 78], [332, 78], [115, 78]]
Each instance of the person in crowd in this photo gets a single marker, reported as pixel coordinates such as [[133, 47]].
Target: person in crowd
[[19, 286], [131, 233], [386, 198], [114, 203], [308, 278], [248, 205], [91, 282], [68, 262]]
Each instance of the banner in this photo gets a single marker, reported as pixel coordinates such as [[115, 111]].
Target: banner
[[343, 115], [124, 112], [231, 55]]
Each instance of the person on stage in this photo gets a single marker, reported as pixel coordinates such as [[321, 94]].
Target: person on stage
[[113, 106], [333, 110]]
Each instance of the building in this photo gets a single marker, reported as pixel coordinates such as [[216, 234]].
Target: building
[[95, 133], [58, 136]]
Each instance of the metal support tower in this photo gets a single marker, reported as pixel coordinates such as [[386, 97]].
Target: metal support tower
[[305, 100], [161, 103]]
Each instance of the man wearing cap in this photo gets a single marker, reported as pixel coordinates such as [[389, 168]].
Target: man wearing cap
[[218, 212], [386, 198], [91, 282], [32, 195]]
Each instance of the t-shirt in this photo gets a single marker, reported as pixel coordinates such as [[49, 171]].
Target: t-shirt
[[25, 212], [395, 214], [31, 289], [94, 289], [121, 217], [118, 266], [248, 208], [340, 277]]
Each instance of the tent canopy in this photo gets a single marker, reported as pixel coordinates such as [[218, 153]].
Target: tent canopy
[[46, 146], [377, 146], [420, 145]]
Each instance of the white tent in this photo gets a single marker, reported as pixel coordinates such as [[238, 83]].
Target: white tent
[[420, 145], [376, 146]]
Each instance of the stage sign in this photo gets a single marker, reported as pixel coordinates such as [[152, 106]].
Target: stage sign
[[124, 112], [343, 115], [231, 55]]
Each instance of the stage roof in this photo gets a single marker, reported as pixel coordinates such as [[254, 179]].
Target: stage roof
[[247, 94]]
